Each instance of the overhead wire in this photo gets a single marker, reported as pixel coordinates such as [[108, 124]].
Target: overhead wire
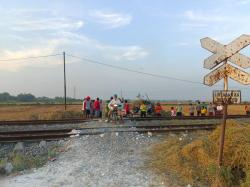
[[142, 72], [133, 71], [85, 59]]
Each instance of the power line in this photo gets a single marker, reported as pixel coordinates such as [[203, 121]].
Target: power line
[[115, 67], [134, 71], [31, 57], [144, 73]]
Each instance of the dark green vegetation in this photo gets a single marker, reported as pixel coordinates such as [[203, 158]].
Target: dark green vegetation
[[6, 98]]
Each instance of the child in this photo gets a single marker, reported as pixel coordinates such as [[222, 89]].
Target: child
[[173, 112]]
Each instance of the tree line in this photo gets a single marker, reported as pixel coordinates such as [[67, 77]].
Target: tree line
[[5, 97]]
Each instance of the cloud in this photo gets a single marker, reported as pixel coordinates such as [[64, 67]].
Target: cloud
[[197, 16], [111, 19], [223, 26], [28, 34], [48, 24], [81, 43], [124, 53]]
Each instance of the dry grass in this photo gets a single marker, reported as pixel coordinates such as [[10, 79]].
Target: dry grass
[[28, 112], [196, 162]]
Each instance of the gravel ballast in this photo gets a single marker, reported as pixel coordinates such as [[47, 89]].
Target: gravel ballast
[[110, 159]]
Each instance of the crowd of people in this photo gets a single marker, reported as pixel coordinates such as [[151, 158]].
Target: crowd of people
[[92, 108], [122, 108]]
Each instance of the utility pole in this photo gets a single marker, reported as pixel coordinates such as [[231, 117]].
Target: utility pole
[[224, 122], [65, 91]]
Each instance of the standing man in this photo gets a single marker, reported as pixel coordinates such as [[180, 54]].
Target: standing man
[[87, 107], [158, 109], [127, 108], [179, 110], [198, 109], [191, 109], [210, 110], [97, 107]]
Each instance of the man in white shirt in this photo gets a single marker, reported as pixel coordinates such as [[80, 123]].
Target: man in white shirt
[[115, 102]]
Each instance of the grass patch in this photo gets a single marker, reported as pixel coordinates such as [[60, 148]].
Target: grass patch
[[21, 162], [196, 162], [2, 165]]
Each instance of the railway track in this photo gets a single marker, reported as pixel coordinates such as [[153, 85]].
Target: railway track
[[187, 118], [56, 134], [12, 135], [47, 122], [80, 120]]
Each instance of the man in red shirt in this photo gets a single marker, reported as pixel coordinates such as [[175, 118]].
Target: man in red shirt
[[127, 108], [97, 107]]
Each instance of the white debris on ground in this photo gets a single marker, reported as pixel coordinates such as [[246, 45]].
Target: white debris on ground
[[112, 159]]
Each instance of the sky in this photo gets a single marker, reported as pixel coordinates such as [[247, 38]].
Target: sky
[[159, 37]]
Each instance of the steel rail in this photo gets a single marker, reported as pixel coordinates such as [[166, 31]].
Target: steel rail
[[56, 134], [79, 120]]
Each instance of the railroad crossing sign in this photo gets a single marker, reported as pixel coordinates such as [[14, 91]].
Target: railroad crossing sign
[[227, 70], [227, 96], [222, 53], [230, 51]]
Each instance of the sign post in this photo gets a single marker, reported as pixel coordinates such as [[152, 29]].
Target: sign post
[[225, 53]]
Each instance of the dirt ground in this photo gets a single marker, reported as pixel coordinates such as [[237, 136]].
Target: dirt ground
[[101, 160], [28, 112]]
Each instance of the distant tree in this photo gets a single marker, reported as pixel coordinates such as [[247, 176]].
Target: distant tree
[[26, 97], [6, 97]]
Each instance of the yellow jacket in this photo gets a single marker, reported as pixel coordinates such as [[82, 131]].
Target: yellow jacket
[[143, 108]]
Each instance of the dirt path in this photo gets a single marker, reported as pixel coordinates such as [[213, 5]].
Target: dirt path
[[109, 160]]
